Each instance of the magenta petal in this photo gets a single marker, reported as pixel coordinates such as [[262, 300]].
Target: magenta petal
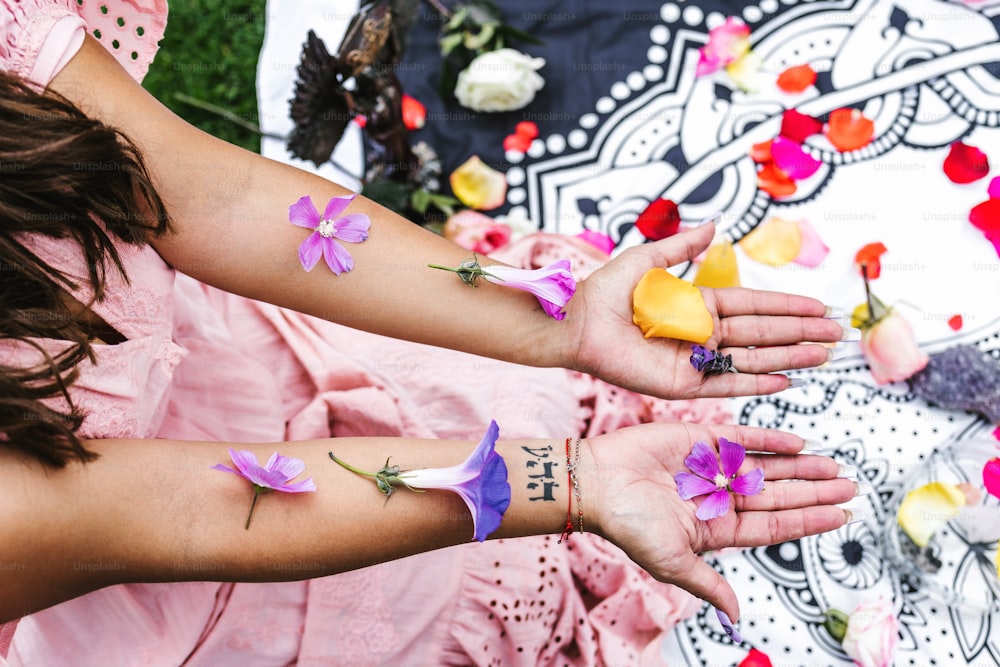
[[303, 214], [790, 158], [731, 454], [336, 206], [691, 486], [353, 228], [337, 257], [245, 460], [225, 468], [991, 477], [299, 487], [714, 505], [702, 461], [286, 465], [994, 188], [749, 484], [310, 251]]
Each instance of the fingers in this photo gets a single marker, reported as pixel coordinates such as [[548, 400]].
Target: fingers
[[756, 529], [743, 384], [682, 247], [778, 496], [765, 330], [755, 439], [703, 581], [783, 358], [793, 467], [736, 301]]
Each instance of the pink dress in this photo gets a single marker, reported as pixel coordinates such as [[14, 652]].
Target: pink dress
[[276, 375]]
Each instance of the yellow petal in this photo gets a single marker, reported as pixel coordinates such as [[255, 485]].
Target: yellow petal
[[776, 242], [745, 72], [478, 185], [665, 306], [926, 509], [859, 316], [719, 268]]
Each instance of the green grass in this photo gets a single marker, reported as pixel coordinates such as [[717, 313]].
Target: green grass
[[209, 53]]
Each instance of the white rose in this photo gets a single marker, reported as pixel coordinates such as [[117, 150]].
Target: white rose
[[501, 80], [872, 635]]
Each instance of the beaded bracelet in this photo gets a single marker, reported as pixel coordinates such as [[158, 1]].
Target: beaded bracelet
[[573, 482]]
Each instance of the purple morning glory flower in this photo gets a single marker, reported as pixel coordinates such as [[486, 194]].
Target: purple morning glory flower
[[481, 481], [275, 475], [709, 480], [552, 285], [709, 361], [351, 228]]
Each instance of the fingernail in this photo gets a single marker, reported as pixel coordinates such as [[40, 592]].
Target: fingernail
[[814, 447], [854, 515], [850, 334], [795, 382], [713, 219], [728, 626], [862, 488], [847, 471], [834, 313], [835, 353]]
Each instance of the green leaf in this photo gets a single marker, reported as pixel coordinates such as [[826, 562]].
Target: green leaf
[[449, 42], [391, 194], [420, 200], [514, 33], [476, 42], [444, 203], [457, 19]]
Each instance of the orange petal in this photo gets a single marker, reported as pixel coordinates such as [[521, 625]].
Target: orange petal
[[849, 130], [761, 153], [775, 182], [477, 185], [796, 79], [868, 257], [718, 268], [775, 242], [665, 306]]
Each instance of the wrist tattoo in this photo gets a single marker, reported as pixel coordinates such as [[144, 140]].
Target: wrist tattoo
[[542, 469]]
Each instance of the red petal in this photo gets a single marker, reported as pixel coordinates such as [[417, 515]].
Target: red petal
[[414, 113], [796, 79], [660, 220], [360, 121], [849, 130], [516, 142], [799, 126], [991, 477], [965, 163], [761, 153], [869, 257], [986, 216], [996, 433], [755, 658], [955, 322], [526, 128], [775, 182]]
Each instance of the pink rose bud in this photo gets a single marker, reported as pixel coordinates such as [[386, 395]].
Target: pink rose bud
[[872, 635], [476, 232], [891, 350]]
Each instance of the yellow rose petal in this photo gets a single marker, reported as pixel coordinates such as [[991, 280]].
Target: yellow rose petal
[[776, 242], [859, 316], [665, 306], [927, 508], [478, 185], [719, 268]]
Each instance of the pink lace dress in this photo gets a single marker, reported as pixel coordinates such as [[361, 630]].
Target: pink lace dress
[[202, 364]]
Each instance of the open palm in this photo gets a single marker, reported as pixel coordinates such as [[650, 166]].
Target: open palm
[[763, 331]]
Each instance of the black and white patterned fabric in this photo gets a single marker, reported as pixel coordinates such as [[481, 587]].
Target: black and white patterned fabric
[[624, 120]]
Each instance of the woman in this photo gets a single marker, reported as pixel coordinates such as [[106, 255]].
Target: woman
[[155, 319]]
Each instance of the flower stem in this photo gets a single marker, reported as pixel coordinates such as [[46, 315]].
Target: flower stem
[[441, 8], [868, 292], [253, 502], [357, 471]]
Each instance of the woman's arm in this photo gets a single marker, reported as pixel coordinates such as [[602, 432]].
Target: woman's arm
[[154, 510], [230, 210]]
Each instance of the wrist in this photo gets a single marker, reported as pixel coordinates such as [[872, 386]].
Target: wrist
[[589, 480]]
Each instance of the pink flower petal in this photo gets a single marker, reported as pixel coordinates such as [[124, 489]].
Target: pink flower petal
[[244, 460], [599, 240], [336, 206], [353, 228], [991, 477], [790, 158], [702, 461], [336, 256], [994, 188], [731, 454], [310, 251], [299, 487], [965, 163], [287, 466], [812, 251], [303, 214], [691, 486], [749, 484], [713, 506]]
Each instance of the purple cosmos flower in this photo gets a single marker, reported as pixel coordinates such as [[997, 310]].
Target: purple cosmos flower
[[710, 362], [481, 481], [709, 480], [352, 228], [275, 475]]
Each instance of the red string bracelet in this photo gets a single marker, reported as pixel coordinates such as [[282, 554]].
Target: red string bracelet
[[569, 498]]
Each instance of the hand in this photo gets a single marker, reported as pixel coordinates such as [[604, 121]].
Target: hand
[[773, 324], [630, 497]]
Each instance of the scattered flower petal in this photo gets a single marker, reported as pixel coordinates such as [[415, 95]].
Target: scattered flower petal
[[527, 128], [414, 113], [476, 231], [965, 163], [517, 142], [848, 130], [993, 191], [718, 268], [659, 219], [890, 349], [275, 475], [996, 433], [755, 658], [790, 158], [665, 306], [991, 477], [710, 362], [927, 509], [775, 182], [479, 186], [327, 229], [955, 322], [868, 257], [720, 475], [798, 126], [796, 79], [761, 153], [813, 250], [726, 44], [599, 240], [745, 72], [775, 242], [986, 216]]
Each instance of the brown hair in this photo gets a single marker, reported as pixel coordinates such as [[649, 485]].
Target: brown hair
[[60, 173]]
